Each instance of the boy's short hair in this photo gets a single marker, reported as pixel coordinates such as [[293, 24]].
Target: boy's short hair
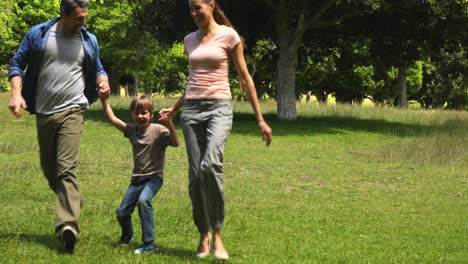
[[142, 102], [68, 6]]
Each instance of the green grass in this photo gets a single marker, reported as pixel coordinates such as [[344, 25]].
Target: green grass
[[342, 184]]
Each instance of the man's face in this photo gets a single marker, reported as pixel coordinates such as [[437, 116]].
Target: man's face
[[76, 19]]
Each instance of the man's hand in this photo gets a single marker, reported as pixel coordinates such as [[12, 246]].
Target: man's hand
[[104, 91], [16, 103]]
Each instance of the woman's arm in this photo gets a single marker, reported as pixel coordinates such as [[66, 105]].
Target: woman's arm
[[247, 84], [170, 112]]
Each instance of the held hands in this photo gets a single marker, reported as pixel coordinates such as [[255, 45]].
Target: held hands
[[15, 104], [165, 115], [266, 131], [104, 91]]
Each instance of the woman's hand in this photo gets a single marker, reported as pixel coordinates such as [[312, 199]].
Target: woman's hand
[[165, 114], [266, 131]]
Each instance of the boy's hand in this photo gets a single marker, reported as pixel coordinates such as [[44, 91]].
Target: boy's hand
[[165, 118], [104, 91], [165, 115]]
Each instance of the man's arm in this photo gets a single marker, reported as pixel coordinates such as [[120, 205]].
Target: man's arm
[[103, 82], [16, 100], [16, 74]]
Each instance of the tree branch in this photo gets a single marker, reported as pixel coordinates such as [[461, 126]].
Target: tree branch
[[301, 28], [271, 4], [282, 17], [333, 22], [323, 9]]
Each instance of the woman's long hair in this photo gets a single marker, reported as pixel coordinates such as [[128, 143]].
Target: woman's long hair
[[220, 17]]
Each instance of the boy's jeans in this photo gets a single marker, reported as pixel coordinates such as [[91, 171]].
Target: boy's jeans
[[140, 192]]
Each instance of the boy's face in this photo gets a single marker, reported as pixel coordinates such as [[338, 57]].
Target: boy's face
[[142, 117]]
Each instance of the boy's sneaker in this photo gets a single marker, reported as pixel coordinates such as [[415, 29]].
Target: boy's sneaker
[[146, 248], [69, 237]]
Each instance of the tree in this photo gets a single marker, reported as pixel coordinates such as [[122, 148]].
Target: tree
[[129, 53], [285, 22], [260, 62], [317, 74], [16, 18], [8, 42], [133, 57], [447, 81], [403, 32], [291, 21]]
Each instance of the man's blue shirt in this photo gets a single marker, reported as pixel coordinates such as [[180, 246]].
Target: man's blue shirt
[[31, 53]]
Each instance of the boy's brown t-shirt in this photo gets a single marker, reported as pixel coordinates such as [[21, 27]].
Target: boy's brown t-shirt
[[149, 148]]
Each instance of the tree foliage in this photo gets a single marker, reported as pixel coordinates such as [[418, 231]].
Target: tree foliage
[[350, 49], [16, 18], [135, 56], [447, 81]]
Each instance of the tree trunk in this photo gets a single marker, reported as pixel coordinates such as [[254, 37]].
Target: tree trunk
[[114, 82], [402, 85], [286, 83], [136, 85], [289, 37], [133, 87], [126, 90]]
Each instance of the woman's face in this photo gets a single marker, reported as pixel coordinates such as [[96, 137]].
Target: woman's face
[[201, 12]]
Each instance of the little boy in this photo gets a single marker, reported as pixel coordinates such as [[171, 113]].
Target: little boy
[[149, 142]]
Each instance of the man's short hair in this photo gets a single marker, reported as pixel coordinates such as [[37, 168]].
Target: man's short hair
[[68, 6]]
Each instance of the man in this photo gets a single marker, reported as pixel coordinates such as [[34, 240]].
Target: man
[[63, 70]]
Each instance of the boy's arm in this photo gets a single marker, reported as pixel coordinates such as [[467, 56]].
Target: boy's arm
[[104, 95], [174, 138]]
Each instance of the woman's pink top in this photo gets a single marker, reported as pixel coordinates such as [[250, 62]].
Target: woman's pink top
[[209, 64]]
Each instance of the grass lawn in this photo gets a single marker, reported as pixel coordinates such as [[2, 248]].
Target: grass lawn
[[341, 184]]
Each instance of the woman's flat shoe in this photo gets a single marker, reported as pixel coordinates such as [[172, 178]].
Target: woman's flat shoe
[[206, 253], [203, 254], [221, 255]]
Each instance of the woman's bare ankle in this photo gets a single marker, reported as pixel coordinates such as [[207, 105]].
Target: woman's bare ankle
[[218, 246], [204, 245], [217, 241]]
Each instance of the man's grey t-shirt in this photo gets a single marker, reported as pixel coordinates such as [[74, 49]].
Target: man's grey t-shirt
[[61, 81]]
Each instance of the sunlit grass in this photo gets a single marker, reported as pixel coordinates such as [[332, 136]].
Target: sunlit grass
[[341, 184]]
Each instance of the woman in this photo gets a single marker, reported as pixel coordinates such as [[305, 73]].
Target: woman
[[207, 116]]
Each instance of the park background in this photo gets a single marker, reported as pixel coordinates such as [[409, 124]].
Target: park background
[[386, 51], [373, 169]]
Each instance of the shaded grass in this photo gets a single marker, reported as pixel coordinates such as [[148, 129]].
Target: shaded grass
[[342, 184]]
